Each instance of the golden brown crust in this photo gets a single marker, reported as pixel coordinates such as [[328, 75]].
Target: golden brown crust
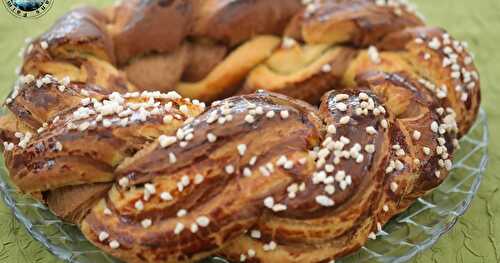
[[328, 229], [358, 22], [38, 101], [371, 185], [445, 67], [84, 28], [258, 178], [416, 109], [230, 201], [301, 72], [161, 29], [217, 19], [10, 125], [85, 144]]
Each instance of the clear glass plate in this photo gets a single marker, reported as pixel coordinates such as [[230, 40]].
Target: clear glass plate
[[402, 238]]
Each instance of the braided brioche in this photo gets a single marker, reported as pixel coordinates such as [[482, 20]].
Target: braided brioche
[[343, 114]]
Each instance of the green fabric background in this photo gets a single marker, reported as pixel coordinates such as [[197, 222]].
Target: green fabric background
[[475, 238]]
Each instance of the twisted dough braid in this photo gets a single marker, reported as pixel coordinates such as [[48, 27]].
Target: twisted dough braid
[[262, 176]]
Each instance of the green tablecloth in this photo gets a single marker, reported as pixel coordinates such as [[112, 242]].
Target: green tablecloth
[[475, 238]]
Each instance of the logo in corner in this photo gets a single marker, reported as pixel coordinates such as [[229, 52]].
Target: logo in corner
[[28, 8]]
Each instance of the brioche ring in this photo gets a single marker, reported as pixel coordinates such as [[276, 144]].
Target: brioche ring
[[342, 114]]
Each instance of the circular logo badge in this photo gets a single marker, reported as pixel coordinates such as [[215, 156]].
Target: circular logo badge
[[28, 8]]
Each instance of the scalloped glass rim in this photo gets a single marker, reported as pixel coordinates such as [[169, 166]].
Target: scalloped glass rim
[[401, 239]]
